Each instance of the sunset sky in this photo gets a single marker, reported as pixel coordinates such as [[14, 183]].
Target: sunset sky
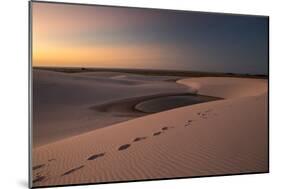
[[66, 35]]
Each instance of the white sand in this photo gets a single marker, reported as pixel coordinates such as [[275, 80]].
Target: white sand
[[223, 137]]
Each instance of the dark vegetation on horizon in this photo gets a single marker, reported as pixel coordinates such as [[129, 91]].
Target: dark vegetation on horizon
[[153, 72]]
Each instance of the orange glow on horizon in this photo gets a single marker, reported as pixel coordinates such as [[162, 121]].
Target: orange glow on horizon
[[61, 55], [70, 36], [62, 34]]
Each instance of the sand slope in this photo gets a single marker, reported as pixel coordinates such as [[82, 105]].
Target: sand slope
[[226, 87], [58, 95], [219, 137]]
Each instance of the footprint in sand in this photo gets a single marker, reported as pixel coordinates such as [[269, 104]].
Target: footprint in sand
[[124, 147], [73, 170], [204, 114], [39, 178], [50, 160], [93, 157], [188, 123], [38, 166], [157, 133], [139, 139], [165, 128]]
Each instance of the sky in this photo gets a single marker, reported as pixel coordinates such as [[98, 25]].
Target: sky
[[66, 35]]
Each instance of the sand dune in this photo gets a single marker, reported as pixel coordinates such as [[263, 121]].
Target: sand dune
[[58, 95], [219, 137], [232, 88]]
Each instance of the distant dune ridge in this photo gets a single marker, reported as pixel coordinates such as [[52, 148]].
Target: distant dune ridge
[[64, 104], [226, 136]]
